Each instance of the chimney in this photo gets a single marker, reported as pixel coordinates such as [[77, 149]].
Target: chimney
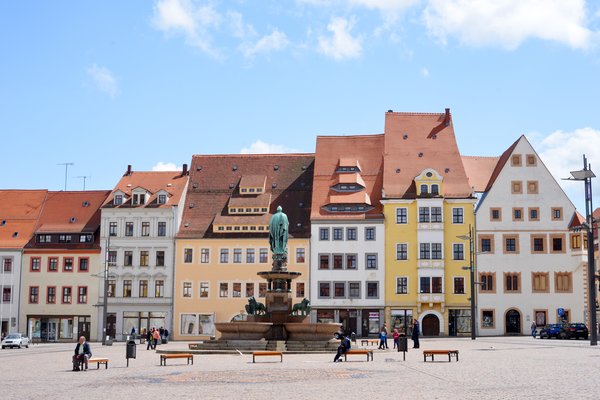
[[447, 117], [185, 170], [128, 173]]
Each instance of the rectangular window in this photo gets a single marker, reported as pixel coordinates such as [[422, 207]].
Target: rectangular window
[[53, 264], [351, 234], [511, 282], [563, 282], [351, 261], [7, 264], [458, 251], [162, 198], [128, 258], [487, 282], [540, 317], [372, 290], [369, 233], [487, 318], [112, 229], [127, 288], [339, 290], [402, 251], [575, 241], [160, 258], [143, 288], [556, 213], [237, 256], [250, 256], [204, 290], [457, 216], [354, 290], [68, 264], [7, 295], [66, 295], [82, 294], [249, 289], [236, 289], [263, 256], [436, 284], [224, 289], [144, 258], [540, 282], [324, 261], [262, 290], [486, 245], [111, 258], [515, 160], [324, 234], [159, 289], [51, 295], [299, 289], [34, 293], [188, 255], [531, 162], [64, 239], [425, 284], [224, 258], [338, 234], [495, 214], [557, 242], [436, 214], [401, 285], [371, 261], [35, 264], [534, 214], [424, 214], [338, 261], [436, 251], [401, 215], [204, 256], [300, 255], [459, 285], [532, 187], [324, 289], [517, 214], [128, 228], [187, 289], [84, 264], [537, 243], [112, 288], [510, 245], [424, 251], [162, 229], [517, 187], [145, 228]]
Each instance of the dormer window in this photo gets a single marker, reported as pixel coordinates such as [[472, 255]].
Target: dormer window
[[139, 199], [424, 189], [162, 199], [435, 189], [118, 200]]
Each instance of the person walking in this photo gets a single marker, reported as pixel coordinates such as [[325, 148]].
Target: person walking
[[149, 339], [382, 339], [415, 334], [395, 336], [156, 336], [533, 329]]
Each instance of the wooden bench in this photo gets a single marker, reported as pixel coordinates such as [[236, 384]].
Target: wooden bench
[[266, 354], [368, 353], [431, 353], [164, 357], [99, 361], [374, 342]]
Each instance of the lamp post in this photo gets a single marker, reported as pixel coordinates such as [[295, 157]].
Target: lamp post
[[586, 176], [471, 268]]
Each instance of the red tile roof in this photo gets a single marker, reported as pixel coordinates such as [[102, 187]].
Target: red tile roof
[[172, 182], [577, 220], [479, 170], [416, 141], [19, 213], [365, 151], [213, 181]]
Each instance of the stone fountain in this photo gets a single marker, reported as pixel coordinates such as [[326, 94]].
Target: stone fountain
[[277, 319]]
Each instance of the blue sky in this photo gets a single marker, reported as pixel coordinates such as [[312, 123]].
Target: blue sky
[[106, 84]]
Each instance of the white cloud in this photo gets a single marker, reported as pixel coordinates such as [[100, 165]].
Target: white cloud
[[508, 23], [424, 72], [274, 42], [341, 45], [562, 152], [260, 147], [190, 20], [166, 166], [239, 28], [103, 80]]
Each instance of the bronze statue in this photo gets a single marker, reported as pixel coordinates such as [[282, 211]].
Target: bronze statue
[[278, 232], [302, 308], [254, 307]]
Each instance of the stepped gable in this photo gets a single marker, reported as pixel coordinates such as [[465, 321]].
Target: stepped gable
[[479, 170], [215, 190], [416, 141], [348, 160], [70, 212], [171, 182], [19, 213]]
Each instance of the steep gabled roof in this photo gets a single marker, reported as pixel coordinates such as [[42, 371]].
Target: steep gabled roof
[[172, 182], [19, 213], [479, 170], [75, 212]]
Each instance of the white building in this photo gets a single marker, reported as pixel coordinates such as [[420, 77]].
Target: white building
[[139, 222], [530, 266]]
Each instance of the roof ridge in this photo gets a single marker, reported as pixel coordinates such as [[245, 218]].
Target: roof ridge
[[412, 113], [255, 154], [369, 135], [479, 156]]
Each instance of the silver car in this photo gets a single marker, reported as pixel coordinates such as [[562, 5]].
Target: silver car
[[15, 340]]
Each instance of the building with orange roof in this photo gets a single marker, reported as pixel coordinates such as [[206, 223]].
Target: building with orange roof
[[347, 277], [61, 262], [223, 241], [531, 252], [139, 221], [428, 205], [19, 215]]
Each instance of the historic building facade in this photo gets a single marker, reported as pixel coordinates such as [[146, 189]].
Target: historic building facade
[[223, 240], [139, 221]]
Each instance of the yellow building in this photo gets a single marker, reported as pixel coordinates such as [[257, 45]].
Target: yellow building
[[223, 240], [428, 205]]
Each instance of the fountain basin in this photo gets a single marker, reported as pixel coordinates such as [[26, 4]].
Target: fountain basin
[[301, 331], [243, 330]]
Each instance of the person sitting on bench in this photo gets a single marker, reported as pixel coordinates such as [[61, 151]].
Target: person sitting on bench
[[343, 347], [82, 354]]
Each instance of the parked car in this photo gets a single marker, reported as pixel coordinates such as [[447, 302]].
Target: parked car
[[15, 340], [576, 330], [550, 331]]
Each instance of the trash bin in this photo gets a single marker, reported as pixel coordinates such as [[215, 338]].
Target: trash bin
[[402, 343], [130, 350]]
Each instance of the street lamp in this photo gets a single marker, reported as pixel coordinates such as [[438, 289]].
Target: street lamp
[[586, 176], [471, 268]]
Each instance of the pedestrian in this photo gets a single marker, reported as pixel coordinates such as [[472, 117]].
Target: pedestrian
[[133, 332], [395, 336], [156, 337], [82, 354], [382, 339], [533, 329], [384, 329], [343, 348], [415, 334], [149, 339]]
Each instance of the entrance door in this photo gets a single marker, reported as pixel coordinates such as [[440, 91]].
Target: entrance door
[[83, 328], [111, 325], [513, 322], [431, 325]]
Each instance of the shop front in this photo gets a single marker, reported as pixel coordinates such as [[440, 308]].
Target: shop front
[[362, 322], [402, 319], [59, 328]]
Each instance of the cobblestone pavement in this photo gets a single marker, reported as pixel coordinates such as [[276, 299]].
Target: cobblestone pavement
[[489, 368]]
